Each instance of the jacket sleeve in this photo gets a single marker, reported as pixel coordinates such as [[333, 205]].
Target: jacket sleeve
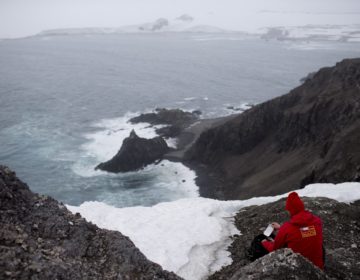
[[268, 245], [280, 239]]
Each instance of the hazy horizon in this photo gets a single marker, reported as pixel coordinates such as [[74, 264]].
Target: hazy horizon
[[20, 18]]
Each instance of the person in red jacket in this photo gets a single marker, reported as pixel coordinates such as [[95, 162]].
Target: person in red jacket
[[302, 234]]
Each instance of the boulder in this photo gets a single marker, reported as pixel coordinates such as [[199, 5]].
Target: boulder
[[282, 264], [135, 153], [41, 239]]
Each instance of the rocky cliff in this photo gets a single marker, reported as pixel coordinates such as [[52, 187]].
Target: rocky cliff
[[341, 232], [308, 135], [41, 239]]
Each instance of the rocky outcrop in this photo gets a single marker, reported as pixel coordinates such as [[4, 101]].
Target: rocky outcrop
[[135, 153], [308, 135], [283, 264], [175, 120], [41, 239], [341, 232]]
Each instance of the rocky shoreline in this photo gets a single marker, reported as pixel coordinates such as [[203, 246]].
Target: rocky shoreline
[[308, 135]]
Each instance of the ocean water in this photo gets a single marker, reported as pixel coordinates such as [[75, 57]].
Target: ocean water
[[65, 102]]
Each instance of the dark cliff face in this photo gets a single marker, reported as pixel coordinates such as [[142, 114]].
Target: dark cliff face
[[341, 233], [308, 135], [41, 239]]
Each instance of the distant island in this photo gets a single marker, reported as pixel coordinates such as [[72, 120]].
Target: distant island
[[188, 24]]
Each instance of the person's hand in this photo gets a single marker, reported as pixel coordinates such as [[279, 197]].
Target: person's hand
[[275, 225]]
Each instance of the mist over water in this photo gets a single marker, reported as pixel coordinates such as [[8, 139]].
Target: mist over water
[[66, 101]]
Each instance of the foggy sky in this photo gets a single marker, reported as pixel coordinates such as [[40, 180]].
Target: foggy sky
[[26, 17]]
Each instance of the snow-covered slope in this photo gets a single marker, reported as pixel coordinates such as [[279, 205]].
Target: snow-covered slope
[[190, 236], [305, 33], [187, 23], [183, 23]]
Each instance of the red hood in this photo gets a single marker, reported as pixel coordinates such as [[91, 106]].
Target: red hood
[[305, 218], [294, 204]]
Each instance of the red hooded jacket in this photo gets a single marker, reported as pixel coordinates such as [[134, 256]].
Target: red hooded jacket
[[303, 233]]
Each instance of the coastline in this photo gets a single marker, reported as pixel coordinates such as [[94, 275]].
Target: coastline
[[209, 183]]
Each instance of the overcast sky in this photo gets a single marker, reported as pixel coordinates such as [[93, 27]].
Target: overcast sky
[[27, 17]]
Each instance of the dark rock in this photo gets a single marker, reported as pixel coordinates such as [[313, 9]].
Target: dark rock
[[159, 24], [196, 112], [135, 153], [308, 135], [283, 264], [176, 119], [341, 232], [308, 77], [276, 33], [41, 239]]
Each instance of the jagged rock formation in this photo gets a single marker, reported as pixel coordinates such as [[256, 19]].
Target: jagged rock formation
[[341, 232], [308, 135], [175, 119], [135, 153], [41, 239]]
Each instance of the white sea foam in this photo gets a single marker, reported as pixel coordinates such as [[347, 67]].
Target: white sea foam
[[190, 98], [105, 143], [237, 108], [218, 38], [106, 140], [190, 236]]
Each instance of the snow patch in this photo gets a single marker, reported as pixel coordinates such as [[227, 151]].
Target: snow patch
[[190, 236]]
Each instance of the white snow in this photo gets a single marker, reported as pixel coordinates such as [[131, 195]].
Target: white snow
[[159, 25], [190, 236]]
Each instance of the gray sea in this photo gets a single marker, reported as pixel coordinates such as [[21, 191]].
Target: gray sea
[[65, 102]]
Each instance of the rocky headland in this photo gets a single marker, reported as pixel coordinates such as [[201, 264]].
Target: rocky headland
[[309, 135], [135, 153]]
